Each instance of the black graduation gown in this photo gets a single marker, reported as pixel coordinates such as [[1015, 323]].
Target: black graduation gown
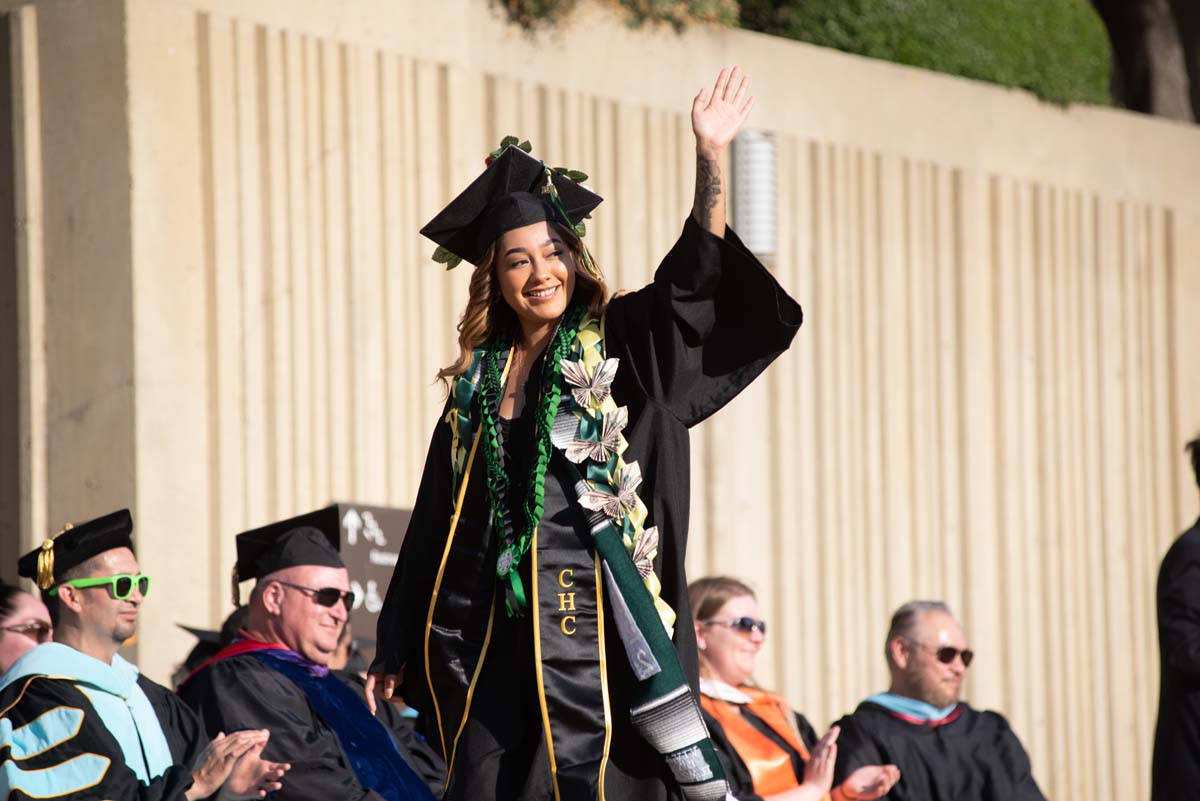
[[241, 692], [741, 783], [1176, 771], [974, 757], [27, 699], [710, 322]]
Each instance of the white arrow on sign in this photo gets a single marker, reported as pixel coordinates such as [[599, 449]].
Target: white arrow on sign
[[352, 522]]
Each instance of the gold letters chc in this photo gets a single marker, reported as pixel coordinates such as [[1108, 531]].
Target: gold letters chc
[[566, 601]]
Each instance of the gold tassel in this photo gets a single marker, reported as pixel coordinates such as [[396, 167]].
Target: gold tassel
[[45, 560], [237, 595]]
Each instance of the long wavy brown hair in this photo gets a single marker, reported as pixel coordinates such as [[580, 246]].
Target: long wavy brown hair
[[487, 313]]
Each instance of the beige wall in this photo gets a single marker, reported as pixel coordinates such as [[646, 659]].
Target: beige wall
[[226, 316]]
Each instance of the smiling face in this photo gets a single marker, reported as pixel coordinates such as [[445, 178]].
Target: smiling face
[[727, 654], [917, 672], [298, 621], [535, 272]]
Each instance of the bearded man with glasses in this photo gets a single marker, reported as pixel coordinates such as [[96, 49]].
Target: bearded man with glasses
[[945, 749], [79, 720], [275, 674]]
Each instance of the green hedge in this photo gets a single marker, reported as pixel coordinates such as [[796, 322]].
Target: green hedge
[[533, 14], [1057, 49]]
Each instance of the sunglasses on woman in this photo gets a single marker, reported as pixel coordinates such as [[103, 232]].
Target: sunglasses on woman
[[326, 596], [120, 586], [36, 630], [742, 625]]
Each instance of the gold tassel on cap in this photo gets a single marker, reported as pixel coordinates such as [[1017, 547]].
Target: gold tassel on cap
[[237, 596], [45, 561]]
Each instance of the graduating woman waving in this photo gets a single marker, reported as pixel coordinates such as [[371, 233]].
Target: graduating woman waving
[[538, 616]]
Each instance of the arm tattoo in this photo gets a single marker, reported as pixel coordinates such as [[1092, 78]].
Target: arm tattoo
[[708, 188]]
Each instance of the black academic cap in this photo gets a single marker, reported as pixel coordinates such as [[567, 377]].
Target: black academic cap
[[509, 194], [308, 539], [74, 545], [206, 636]]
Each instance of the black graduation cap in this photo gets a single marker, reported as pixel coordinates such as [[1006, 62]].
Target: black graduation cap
[[308, 539], [204, 636], [74, 545], [510, 193], [229, 629]]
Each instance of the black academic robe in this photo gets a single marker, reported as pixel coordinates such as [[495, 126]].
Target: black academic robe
[[710, 322], [974, 756], [1176, 771], [28, 699], [241, 692]]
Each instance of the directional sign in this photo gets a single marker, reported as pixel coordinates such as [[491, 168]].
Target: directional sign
[[371, 537]]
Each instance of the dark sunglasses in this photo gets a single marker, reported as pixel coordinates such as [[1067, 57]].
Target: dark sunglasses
[[36, 630], [121, 585], [946, 654], [742, 625], [326, 596]]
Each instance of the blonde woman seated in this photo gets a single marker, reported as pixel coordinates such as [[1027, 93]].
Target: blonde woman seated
[[768, 750]]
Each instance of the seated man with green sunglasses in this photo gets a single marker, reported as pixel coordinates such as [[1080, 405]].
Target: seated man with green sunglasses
[[79, 720]]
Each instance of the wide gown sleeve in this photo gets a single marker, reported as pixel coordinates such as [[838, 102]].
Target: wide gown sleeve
[[1012, 779], [710, 322], [1179, 611], [402, 618], [77, 757]]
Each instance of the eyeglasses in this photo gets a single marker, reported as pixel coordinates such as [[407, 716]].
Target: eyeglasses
[[946, 654], [742, 625], [326, 596], [37, 630], [121, 585]]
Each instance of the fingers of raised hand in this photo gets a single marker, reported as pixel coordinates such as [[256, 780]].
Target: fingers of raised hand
[[742, 86], [722, 83]]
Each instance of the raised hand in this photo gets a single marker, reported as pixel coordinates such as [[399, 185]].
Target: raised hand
[[717, 119], [818, 771], [870, 782]]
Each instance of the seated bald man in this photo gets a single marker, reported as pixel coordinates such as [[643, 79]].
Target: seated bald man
[[945, 749], [276, 674]]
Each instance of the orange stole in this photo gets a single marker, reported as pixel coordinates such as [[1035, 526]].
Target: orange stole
[[770, 766]]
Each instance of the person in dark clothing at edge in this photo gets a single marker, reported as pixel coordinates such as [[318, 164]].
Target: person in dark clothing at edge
[[81, 722], [945, 749], [1176, 767], [275, 675], [539, 614]]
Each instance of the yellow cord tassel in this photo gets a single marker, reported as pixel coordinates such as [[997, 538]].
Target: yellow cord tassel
[[45, 561]]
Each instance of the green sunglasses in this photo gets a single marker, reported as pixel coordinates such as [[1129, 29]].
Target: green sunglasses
[[121, 585]]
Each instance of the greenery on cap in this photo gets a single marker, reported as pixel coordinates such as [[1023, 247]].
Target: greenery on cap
[[1056, 49], [452, 259]]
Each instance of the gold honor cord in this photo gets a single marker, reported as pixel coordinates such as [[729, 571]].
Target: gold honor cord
[[437, 584], [487, 641], [537, 663], [603, 675]]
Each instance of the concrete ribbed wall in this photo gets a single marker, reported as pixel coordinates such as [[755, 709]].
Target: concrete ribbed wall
[[226, 316]]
